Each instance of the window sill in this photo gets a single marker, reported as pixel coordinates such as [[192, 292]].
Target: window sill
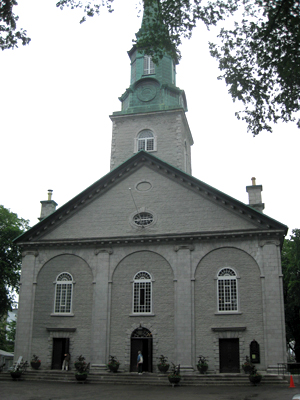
[[142, 314], [228, 313], [62, 314]]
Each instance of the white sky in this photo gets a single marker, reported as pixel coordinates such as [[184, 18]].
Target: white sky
[[58, 92]]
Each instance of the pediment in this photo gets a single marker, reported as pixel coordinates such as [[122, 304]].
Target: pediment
[[181, 206]]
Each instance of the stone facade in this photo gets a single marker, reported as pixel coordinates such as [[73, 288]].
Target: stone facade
[[196, 231]]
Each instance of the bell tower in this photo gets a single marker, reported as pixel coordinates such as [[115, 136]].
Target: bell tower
[[152, 116]]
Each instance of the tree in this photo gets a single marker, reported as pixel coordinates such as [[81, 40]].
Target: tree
[[291, 290], [9, 35], [7, 334], [259, 57], [10, 257], [260, 61]]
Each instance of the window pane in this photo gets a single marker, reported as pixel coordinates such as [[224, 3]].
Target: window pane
[[149, 67], [141, 144], [150, 144]]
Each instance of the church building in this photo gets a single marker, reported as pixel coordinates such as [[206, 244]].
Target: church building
[[151, 258]]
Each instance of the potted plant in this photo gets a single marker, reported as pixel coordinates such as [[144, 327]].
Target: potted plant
[[18, 369], [16, 373], [82, 368], [113, 364], [202, 365], [174, 376], [35, 362], [247, 366], [163, 365], [254, 376]]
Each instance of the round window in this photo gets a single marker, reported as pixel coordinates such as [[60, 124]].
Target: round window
[[143, 219]]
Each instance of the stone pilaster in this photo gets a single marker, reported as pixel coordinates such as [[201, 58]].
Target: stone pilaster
[[274, 324], [100, 309], [26, 306], [184, 336]]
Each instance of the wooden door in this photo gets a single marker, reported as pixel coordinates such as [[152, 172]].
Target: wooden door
[[229, 355], [60, 348], [145, 346]]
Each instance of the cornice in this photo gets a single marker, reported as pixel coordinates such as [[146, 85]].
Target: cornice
[[178, 240]]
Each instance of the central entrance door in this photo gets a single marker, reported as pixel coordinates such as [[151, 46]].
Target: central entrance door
[[141, 340], [60, 348], [229, 355]]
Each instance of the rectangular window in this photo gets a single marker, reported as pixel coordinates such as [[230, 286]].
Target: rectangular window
[[63, 298], [142, 297], [227, 295], [141, 144], [149, 67], [150, 144]]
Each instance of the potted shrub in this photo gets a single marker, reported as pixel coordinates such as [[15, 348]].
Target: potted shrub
[[254, 376], [18, 369], [35, 362], [16, 373], [82, 368], [247, 366], [202, 365], [163, 365], [174, 376], [113, 364]]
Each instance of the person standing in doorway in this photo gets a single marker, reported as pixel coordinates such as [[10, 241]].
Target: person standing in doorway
[[66, 362], [140, 363]]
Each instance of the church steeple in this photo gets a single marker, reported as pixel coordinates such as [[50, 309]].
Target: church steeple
[[153, 86], [152, 96]]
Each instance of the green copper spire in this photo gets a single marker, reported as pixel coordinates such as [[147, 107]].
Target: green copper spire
[[153, 86]]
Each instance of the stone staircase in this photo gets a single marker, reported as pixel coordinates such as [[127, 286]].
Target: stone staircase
[[126, 378]]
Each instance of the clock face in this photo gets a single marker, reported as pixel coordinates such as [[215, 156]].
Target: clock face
[[146, 91]]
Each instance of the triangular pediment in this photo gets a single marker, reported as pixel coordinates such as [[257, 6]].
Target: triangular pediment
[[181, 206]]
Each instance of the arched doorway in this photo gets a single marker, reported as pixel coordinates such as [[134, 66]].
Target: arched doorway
[[141, 340]]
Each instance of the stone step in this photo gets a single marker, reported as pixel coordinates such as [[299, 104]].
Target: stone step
[[148, 379]]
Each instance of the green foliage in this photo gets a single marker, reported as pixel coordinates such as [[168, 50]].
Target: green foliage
[[9, 35], [11, 331], [291, 290], [260, 62], [10, 257], [163, 360], [7, 335], [81, 366]]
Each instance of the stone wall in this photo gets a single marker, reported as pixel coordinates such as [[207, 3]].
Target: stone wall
[[160, 322], [45, 320]]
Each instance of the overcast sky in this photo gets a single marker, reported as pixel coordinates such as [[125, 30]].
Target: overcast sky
[[58, 92]]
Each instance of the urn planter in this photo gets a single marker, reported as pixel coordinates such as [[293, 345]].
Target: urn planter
[[16, 375], [163, 368], [255, 379], [35, 364], [202, 368], [174, 380], [81, 377], [113, 367]]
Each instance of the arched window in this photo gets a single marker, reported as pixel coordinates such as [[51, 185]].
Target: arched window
[[142, 293], [227, 290], [149, 67], [63, 293], [145, 141]]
